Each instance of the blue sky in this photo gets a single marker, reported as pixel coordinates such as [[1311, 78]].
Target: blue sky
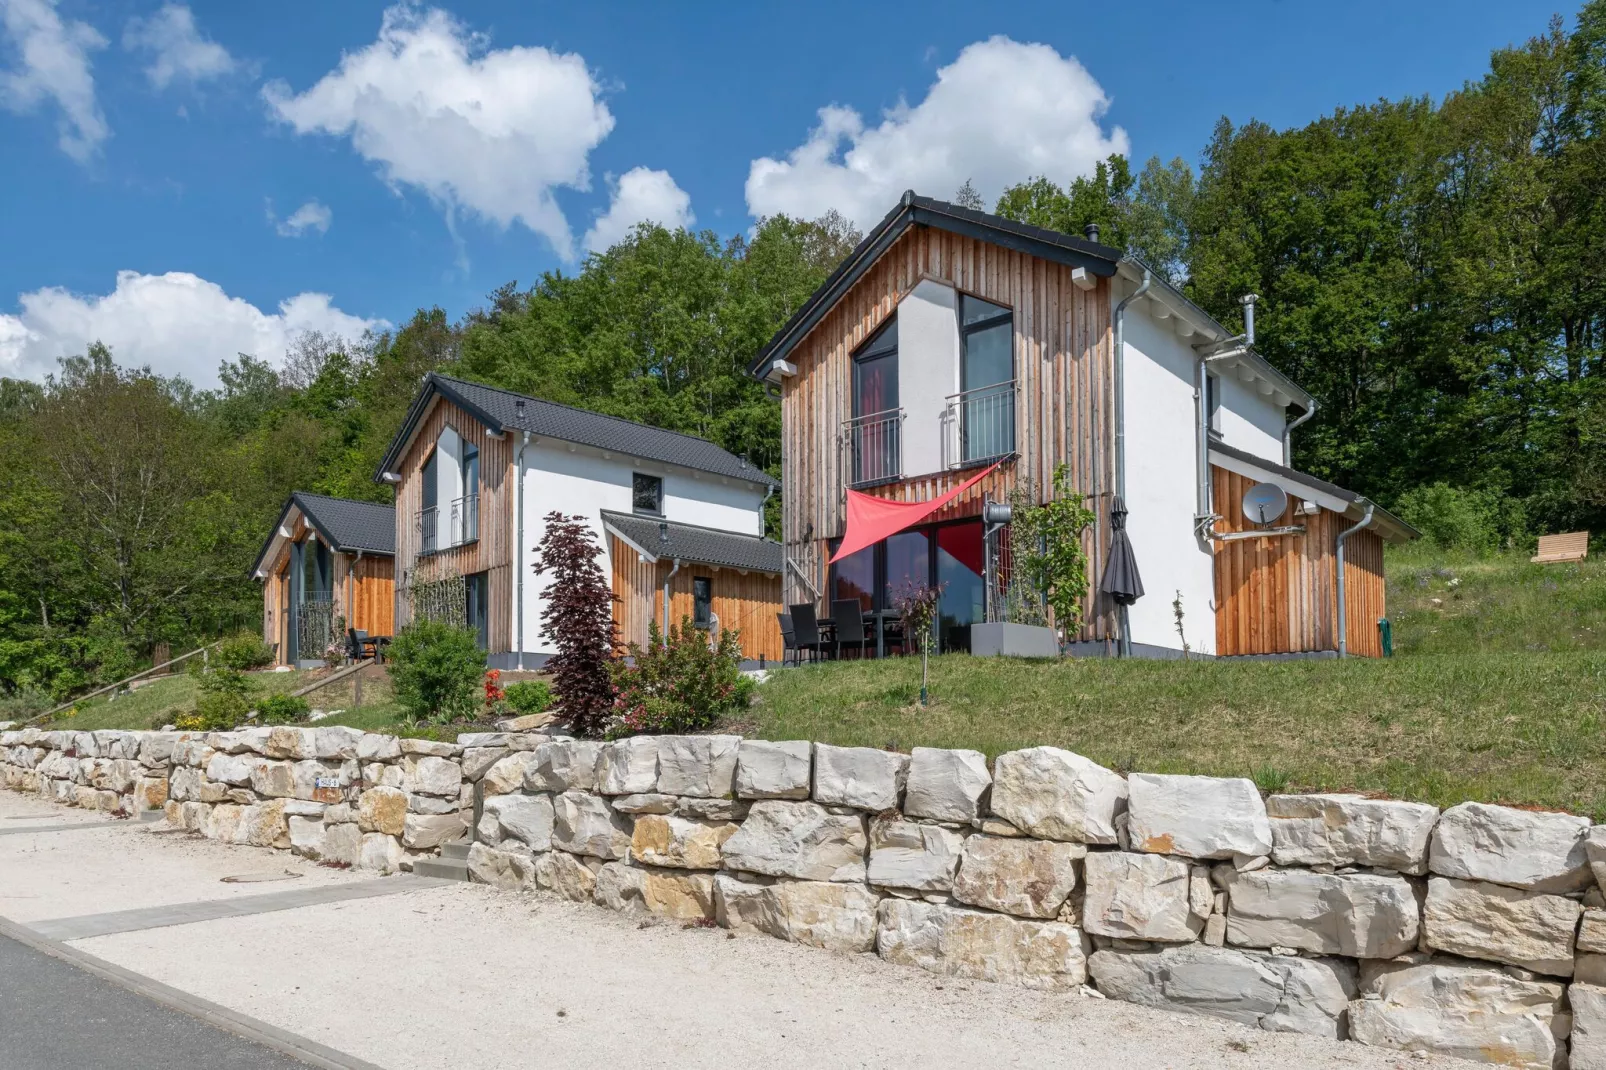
[[189, 181]]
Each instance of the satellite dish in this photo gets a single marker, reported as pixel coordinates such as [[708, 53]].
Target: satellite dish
[[1264, 503]]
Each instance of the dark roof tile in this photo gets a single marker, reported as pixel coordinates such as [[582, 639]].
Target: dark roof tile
[[706, 546]]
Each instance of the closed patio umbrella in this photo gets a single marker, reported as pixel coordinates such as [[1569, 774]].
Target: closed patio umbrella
[[1121, 580]]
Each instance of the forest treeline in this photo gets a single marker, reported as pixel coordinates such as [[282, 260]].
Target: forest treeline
[[1433, 272]]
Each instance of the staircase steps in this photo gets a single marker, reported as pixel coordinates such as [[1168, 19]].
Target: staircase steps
[[452, 864]]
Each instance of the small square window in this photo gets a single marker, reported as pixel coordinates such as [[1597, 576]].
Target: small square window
[[647, 494], [702, 600]]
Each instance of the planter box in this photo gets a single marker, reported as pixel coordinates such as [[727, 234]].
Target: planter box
[[996, 638]]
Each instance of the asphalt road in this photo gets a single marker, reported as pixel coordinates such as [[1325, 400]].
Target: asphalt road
[[55, 1016]]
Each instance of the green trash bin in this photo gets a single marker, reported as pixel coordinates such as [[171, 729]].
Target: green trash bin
[[1385, 632]]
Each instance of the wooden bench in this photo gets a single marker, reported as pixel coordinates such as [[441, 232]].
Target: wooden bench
[[1573, 546]]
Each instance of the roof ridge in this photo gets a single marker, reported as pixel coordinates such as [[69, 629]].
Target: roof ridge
[[592, 412], [682, 524]]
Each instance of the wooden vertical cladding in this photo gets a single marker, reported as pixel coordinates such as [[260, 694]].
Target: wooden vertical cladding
[[492, 552], [366, 592], [1063, 401], [1279, 594], [747, 602]]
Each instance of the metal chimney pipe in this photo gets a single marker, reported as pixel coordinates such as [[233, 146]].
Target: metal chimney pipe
[[1248, 301], [1091, 231]]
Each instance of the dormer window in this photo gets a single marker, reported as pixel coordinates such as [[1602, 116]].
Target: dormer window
[[647, 494]]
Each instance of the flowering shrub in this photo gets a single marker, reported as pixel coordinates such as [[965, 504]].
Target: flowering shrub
[[493, 690], [679, 683]]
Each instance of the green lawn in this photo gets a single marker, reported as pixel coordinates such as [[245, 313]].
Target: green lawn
[[1495, 694]]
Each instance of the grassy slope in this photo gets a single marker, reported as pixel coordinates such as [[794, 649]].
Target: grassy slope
[[1496, 694]]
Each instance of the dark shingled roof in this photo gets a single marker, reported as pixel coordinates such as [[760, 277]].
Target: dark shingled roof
[[499, 410], [705, 546], [915, 210], [346, 525], [1380, 516]]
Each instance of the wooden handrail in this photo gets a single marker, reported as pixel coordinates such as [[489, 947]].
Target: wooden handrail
[[112, 687]]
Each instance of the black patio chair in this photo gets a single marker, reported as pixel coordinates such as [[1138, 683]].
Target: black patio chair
[[805, 628], [849, 619], [788, 639]]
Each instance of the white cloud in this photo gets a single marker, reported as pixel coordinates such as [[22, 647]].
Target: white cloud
[[313, 215], [178, 51], [640, 196], [53, 64], [178, 323], [1000, 113], [489, 131]]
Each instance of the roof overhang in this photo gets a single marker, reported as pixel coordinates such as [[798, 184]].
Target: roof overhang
[[433, 390], [277, 538], [652, 556], [1201, 330], [1327, 495], [912, 211]]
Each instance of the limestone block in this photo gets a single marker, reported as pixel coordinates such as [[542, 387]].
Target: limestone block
[[1054, 794], [468, 740], [1197, 816], [1523, 848], [584, 824], [1592, 932], [432, 774], [860, 777], [263, 825], [423, 832], [506, 775], [528, 818], [959, 942], [1588, 1039], [1134, 896], [335, 743], [1595, 852], [1363, 915], [221, 822], [947, 785], [667, 893], [799, 839], [1461, 1010], [1533, 930], [679, 842], [1350, 830], [566, 875], [342, 843], [699, 766], [432, 747], [1276, 993], [382, 810], [712, 809], [628, 766], [156, 748], [824, 914], [150, 793], [431, 806], [196, 817], [651, 803], [476, 760], [307, 837], [1014, 875], [768, 770], [233, 769], [907, 854], [564, 765], [373, 747], [507, 870]]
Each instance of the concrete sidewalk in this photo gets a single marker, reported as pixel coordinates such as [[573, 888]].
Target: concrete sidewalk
[[429, 977]]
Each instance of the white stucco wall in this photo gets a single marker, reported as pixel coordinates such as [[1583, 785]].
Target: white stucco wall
[[1250, 420], [1160, 473], [928, 371], [585, 483]]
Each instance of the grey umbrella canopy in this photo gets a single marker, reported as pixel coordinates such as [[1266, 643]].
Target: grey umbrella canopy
[[1121, 580]]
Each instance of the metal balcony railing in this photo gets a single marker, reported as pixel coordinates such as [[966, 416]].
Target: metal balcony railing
[[426, 525], [979, 425], [873, 447], [464, 522]]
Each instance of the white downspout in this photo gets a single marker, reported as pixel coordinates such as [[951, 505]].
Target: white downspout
[[1343, 621], [1204, 517], [518, 554], [665, 636], [1120, 427]]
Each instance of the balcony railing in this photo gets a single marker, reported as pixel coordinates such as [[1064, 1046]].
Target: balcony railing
[[873, 447], [426, 525], [465, 519], [979, 425]]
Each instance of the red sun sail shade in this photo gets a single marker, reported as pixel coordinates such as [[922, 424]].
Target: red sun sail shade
[[872, 519]]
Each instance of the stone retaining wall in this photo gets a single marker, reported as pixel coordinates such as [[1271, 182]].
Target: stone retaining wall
[[1478, 932]]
